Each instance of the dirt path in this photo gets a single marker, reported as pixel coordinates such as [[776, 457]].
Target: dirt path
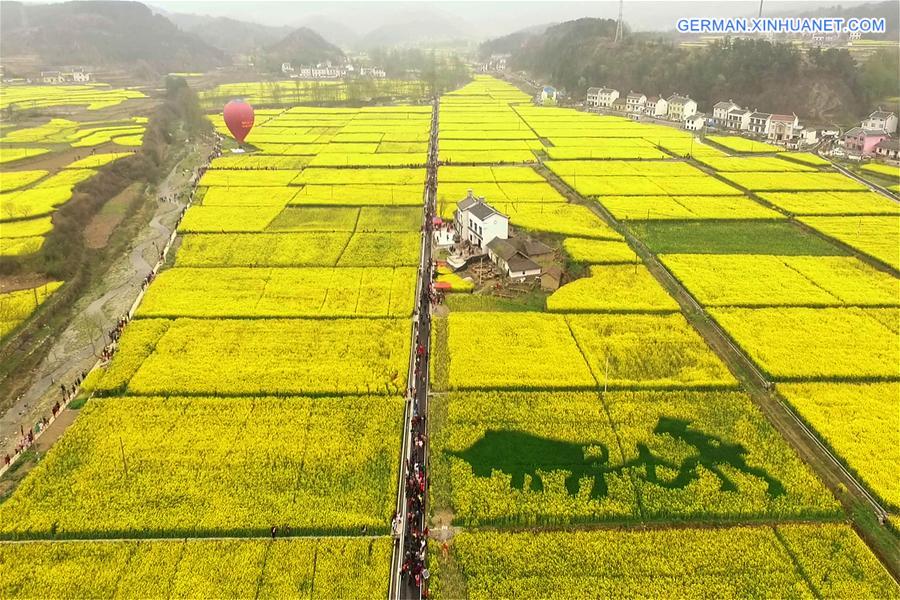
[[78, 346]]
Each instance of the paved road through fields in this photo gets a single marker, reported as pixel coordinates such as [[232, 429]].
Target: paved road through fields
[[409, 562]]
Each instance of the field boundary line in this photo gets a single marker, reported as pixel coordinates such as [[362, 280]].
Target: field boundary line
[[600, 392], [764, 386], [812, 587], [261, 536], [872, 186]]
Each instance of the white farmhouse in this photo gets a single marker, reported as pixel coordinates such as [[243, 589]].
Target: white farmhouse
[[656, 106], [759, 123], [681, 107], [373, 72], [720, 112], [286, 68], [634, 102], [888, 149], [478, 223], [782, 127], [52, 77], [592, 98], [606, 96], [738, 118], [885, 121], [695, 122]]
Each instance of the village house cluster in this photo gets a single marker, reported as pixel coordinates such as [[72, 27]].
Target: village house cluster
[[875, 136], [329, 71], [496, 62], [674, 108], [872, 138], [67, 75]]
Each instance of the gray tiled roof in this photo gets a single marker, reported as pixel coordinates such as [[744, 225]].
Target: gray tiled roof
[[519, 262], [482, 211], [502, 248]]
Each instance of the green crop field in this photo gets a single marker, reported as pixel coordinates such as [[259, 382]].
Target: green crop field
[[751, 237]]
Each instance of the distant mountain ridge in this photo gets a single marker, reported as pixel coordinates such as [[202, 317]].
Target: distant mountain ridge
[[301, 47], [230, 35], [101, 33]]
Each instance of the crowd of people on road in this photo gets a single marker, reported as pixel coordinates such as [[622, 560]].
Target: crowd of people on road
[[415, 542], [27, 438], [413, 532]]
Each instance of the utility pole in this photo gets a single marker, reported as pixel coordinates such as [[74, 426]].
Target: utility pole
[[760, 9], [619, 23]]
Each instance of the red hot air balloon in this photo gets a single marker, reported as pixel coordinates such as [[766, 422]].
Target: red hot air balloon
[[239, 118]]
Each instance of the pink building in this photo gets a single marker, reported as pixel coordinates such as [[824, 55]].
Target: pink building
[[862, 141]]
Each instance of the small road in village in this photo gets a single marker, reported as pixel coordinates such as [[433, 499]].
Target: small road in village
[[409, 572]]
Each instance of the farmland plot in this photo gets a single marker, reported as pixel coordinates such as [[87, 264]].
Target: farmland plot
[[195, 466], [690, 563]]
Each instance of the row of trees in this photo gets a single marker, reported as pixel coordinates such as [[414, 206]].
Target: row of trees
[[440, 71]]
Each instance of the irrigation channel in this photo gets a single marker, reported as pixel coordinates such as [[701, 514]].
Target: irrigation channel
[[409, 574]]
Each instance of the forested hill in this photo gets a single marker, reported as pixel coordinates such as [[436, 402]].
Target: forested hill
[[231, 36], [302, 46], [775, 77], [101, 34]]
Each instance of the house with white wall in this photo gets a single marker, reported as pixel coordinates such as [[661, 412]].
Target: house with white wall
[[512, 262], [680, 107], [739, 119], [373, 72], [548, 96], [606, 96], [720, 112], [478, 223], [634, 102], [782, 127], [695, 122], [888, 149], [759, 123], [885, 121], [656, 106]]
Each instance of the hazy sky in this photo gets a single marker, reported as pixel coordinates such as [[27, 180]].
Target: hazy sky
[[483, 18]]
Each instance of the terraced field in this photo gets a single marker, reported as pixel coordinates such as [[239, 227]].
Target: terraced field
[[42, 161]]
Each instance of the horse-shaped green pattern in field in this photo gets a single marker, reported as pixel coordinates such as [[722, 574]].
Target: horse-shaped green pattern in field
[[518, 454]]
